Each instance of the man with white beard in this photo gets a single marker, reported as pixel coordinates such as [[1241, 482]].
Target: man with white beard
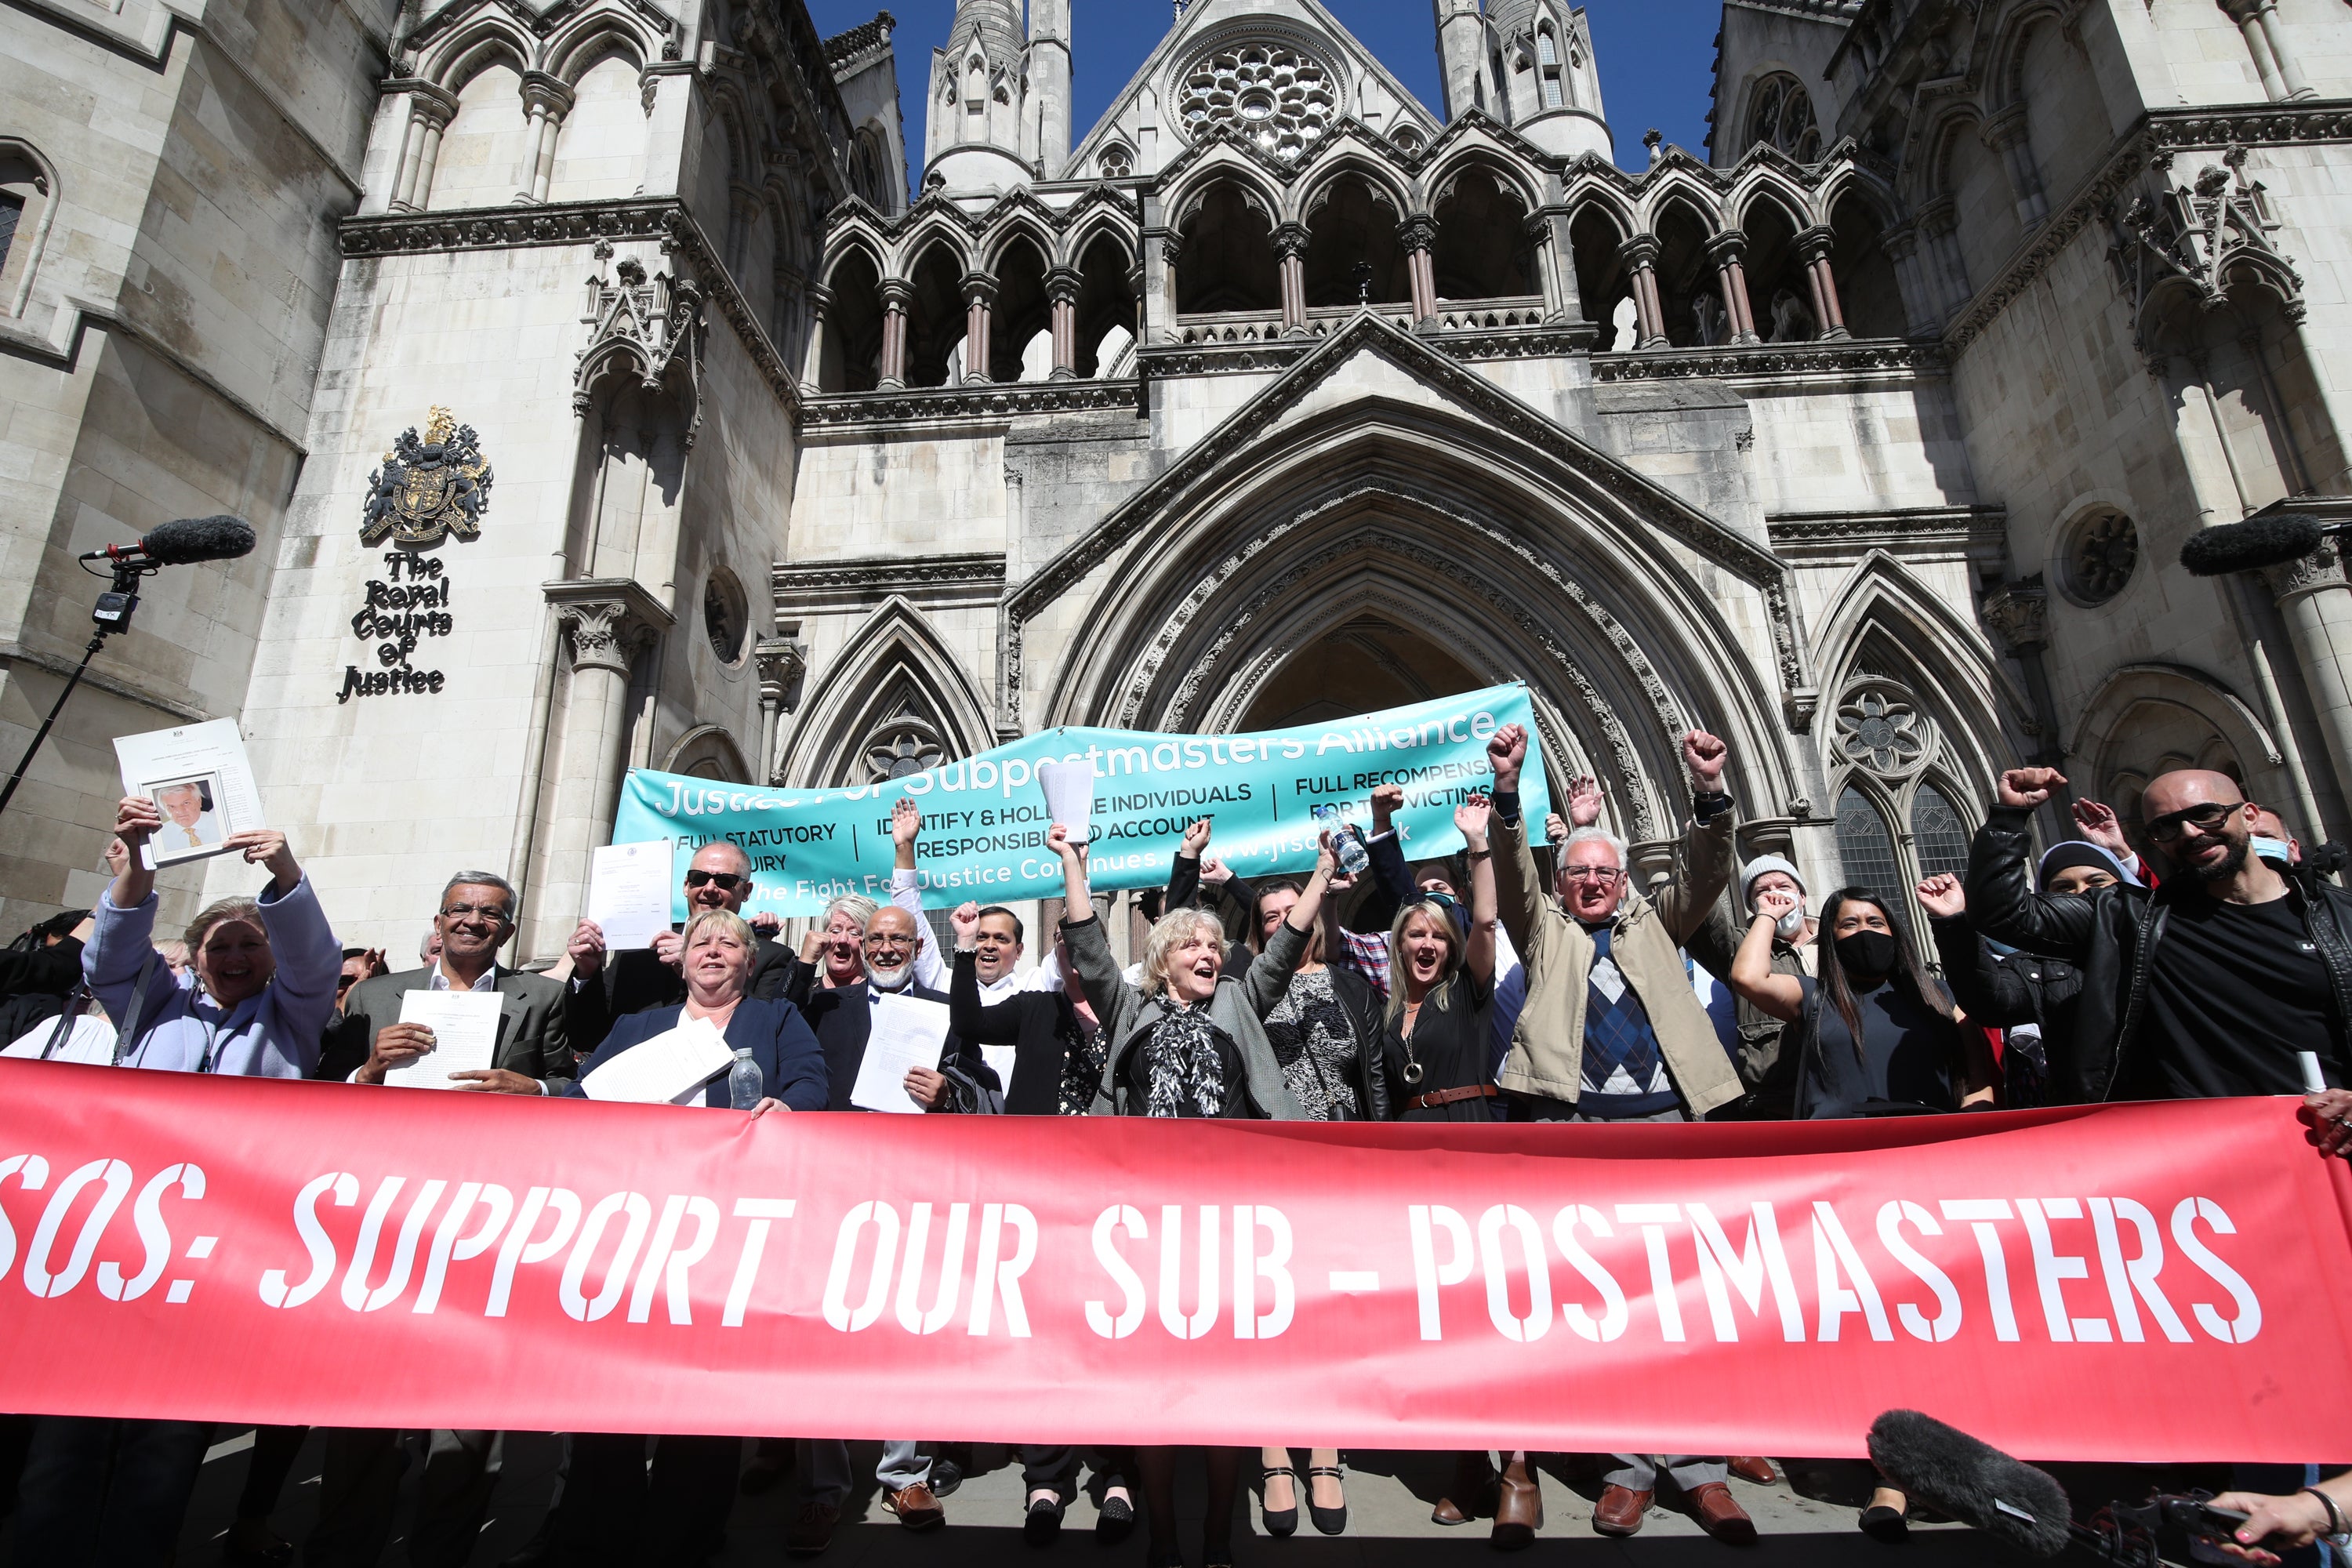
[[843, 1017]]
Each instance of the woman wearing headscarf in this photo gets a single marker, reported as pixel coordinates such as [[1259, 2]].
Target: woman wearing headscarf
[[261, 988], [1188, 1041], [2031, 996], [1876, 1036]]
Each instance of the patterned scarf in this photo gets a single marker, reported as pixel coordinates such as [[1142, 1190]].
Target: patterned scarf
[[1183, 1064]]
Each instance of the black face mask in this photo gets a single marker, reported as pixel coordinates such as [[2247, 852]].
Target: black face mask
[[1872, 953]]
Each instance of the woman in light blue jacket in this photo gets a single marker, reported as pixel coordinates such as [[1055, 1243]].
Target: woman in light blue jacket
[[261, 980], [260, 988]]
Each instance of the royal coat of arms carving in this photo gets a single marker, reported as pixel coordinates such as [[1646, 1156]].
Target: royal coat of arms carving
[[430, 486]]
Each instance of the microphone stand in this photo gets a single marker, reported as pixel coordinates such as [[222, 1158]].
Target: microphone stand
[[112, 614]]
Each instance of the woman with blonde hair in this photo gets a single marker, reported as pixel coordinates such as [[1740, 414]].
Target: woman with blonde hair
[[1190, 1041]]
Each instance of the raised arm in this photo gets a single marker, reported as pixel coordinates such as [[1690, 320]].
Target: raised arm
[[1518, 887], [1113, 999], [1781, 995], [2002, 903], [1269, 975], [1184, 866], [1988, 990], [906, 891], [1684, 904], [1470, 817]]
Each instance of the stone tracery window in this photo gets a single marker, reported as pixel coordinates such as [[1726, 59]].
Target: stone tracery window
[[1879, 729], [1283, 98], [906, 744], [1116, 162], [1782, 117], [725, 617], [2100, 553]]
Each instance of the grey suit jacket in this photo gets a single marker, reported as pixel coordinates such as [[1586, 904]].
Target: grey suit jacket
[[530, 1017]]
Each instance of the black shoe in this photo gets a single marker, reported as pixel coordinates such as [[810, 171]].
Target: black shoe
[[1285, 1521], [1330, 1521], [1044, 1522], [1216, 1554], [1114, 1520], [945, 1476], [1883, 1523], [1164, 1554]]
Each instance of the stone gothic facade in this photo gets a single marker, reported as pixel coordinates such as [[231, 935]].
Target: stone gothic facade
[[1866, 436]]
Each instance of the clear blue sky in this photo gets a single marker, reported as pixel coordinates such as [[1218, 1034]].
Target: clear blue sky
[[1655, 55]]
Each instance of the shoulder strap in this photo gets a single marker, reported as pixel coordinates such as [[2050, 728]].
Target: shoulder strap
[[131, 1015], [75, 1000]]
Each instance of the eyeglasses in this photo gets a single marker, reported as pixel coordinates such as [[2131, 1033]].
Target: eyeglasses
[[2204, 819], [888, 939], [1601, 875], [495, 913], [726, 882]]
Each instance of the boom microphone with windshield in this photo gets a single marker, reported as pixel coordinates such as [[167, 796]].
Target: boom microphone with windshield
[[2025, 1509], [182, 542], [2251, 546]]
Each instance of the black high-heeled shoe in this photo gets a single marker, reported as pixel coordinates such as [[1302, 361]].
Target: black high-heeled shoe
[[1285, 1521], [1330, 1521], [1883, 1523]]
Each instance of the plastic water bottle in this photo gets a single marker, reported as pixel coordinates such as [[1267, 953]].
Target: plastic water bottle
[[744, 1084], [1347, 844]]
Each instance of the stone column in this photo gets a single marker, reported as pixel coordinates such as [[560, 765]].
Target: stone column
[[1727, 249], [430, 109], [780, 661], [1937, 220], [1062, 286], [1290, 251], [1922, 314], [1555, 266], [2017, 614], [1418, 235], [604, 621], [979, 297], [896, 295], [2258, 20], [545, 101], [820, 301], [1640, 253], [1158, 297], [1815, 244], [2316, 602], [2005, 134]]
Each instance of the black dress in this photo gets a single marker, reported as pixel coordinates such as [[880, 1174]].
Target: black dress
[[1450, 1043], [1909, 1059]]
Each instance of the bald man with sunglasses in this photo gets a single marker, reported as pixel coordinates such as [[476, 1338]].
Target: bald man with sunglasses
[[609, 985], [2209, 986]]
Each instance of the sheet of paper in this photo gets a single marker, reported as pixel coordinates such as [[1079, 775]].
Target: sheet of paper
[[663, 1070], [999, 1061], [200, 779], [465, 1025], [907, 1032], [1070, 795], [629, 893]]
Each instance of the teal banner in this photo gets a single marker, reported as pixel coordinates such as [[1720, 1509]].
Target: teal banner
[[984, 817]]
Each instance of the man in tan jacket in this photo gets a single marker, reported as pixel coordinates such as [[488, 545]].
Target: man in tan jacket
[[1613, 1032]]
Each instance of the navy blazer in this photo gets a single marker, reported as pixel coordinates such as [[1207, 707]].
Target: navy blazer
[[791, 1064]]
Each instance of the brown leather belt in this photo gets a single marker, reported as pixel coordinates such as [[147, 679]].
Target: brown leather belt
[[1438, 1097]]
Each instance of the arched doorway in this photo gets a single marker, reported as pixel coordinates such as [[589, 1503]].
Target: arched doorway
[[1371, 661]]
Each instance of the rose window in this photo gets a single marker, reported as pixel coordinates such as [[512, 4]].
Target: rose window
[[1283, 100], [1880, 731], [2101, 556]]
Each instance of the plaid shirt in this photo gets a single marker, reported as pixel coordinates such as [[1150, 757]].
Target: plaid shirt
[[1367, 956]]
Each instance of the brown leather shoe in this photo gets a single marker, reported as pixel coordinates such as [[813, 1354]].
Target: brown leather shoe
[[812, 1532], [1621, 1510], [1720, 1515], [916, 1507], [1518, 1507], [1750, 1468], [1472, 1493]]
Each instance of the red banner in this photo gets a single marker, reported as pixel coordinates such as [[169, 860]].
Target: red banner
[[2146, 1282]]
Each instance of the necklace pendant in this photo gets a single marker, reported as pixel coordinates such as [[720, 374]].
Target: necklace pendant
[[1412, 1073]]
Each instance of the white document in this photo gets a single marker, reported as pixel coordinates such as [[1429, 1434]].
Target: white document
[[199, 778], [1070, 795], [907, 1032], [629, 893], [663, 1070], [465, 1025]]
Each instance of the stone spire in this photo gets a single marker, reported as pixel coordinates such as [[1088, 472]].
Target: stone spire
[[1000, 98]]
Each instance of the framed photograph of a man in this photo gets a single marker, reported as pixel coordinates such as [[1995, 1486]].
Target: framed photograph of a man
[[192, 827], [201, 782]]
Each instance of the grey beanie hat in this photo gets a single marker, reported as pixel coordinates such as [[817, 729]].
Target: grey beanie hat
[[1761, 863]]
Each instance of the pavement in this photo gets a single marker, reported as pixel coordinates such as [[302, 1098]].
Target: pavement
[[1807, 1519]]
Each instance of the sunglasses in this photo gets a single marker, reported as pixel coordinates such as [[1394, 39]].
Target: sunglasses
[[726, 882], [1431, 896], [2204, 819]]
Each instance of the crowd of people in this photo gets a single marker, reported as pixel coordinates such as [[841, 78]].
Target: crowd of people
[[1532, 977]]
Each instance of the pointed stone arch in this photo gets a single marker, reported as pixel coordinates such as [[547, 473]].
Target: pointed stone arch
[[895, 682], [709, 751]]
